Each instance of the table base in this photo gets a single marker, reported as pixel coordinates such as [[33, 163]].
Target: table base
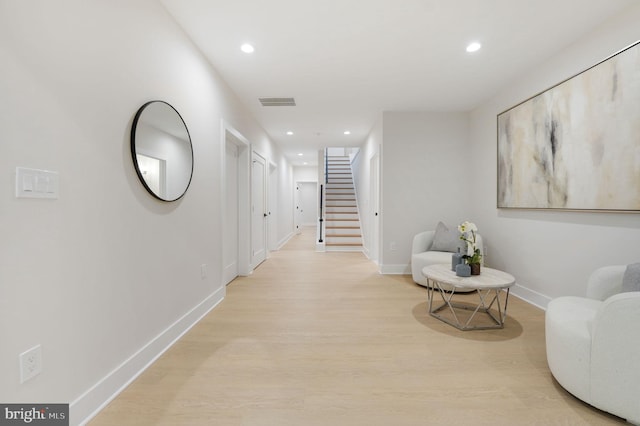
[[487, 299]]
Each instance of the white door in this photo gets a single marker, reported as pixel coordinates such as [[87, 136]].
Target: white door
[[258, 211], [230, 228], [308, 203]]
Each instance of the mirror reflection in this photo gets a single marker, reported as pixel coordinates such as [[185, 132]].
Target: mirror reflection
[[161, 150]]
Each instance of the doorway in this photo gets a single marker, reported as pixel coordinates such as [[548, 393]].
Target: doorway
[[306, 204], [230, 229], [154, 173], [236, 216], [258, 210], [273, 207]]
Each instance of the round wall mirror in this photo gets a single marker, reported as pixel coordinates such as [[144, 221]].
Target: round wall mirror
[[161, 150]]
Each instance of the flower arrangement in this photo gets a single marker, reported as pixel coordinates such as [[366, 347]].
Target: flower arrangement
[[468, 235]]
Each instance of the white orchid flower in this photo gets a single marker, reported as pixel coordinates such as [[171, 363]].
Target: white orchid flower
[[468, 235], [467, 226]]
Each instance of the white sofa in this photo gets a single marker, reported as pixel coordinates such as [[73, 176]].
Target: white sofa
[[421, 256], [593, 344]]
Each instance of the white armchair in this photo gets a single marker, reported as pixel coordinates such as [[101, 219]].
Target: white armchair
[[593, 344], [422, 256]]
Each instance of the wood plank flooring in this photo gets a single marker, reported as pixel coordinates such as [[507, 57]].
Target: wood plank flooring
[[323, 339]]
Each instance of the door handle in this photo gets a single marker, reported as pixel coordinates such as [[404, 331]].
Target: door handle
[[264, 214]]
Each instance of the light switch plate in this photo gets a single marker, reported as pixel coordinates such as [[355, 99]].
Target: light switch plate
[[33, 183]]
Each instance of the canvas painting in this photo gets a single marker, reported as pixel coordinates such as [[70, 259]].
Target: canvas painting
[[575, 146]]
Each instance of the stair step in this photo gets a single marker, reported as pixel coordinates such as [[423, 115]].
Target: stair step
[[343, 227], [342, 223], [330, 216], [344, 239]]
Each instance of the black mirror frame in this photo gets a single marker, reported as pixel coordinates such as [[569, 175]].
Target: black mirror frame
[[134, 126]]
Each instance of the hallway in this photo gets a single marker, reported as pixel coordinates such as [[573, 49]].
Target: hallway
[[323, 339]]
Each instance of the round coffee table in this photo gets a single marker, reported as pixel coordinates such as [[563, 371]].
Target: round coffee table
[[492, 288]]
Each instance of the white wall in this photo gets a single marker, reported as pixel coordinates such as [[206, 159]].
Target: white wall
[[426, 179], [305, 174], [106, 276], [550, 253], [362, 180]]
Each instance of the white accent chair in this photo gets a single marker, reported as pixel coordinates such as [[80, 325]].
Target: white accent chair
[[593, 344], [421, 256]]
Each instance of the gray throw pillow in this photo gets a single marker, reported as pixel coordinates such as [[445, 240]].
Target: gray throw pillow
[[447, 240], [631, 278]]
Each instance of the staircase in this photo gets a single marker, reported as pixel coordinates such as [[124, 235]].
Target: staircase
[[342, 222]]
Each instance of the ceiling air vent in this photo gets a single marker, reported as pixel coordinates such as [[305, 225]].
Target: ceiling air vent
[[277, 101]]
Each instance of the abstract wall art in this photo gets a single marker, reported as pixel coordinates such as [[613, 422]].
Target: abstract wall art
[[575, 146]]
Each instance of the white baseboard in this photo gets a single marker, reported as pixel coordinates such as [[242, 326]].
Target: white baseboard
[[366, 252], [395, 269], [530, 296], [89, 404], [285, 240]]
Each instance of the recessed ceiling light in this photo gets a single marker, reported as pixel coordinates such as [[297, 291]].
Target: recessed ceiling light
[[247, 48], [305, 163], [289, 132], [346, 132], [300, 154], [473, 47]]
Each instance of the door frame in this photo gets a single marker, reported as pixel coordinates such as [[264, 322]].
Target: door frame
[[374, 206], [272, 204], [257, 157], [244, 195], [315, 213]]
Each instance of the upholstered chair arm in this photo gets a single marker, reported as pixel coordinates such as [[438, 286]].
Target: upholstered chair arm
[[422, 242], [605, 282], [615, 351]]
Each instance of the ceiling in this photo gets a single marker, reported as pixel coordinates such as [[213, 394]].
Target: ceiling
[[346, 61]]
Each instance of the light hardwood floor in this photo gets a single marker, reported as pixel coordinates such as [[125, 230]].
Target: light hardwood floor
[[323, 339]]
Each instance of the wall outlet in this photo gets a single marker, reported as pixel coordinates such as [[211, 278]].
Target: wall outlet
[[393, 246], [30, 363], [203, 271]]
